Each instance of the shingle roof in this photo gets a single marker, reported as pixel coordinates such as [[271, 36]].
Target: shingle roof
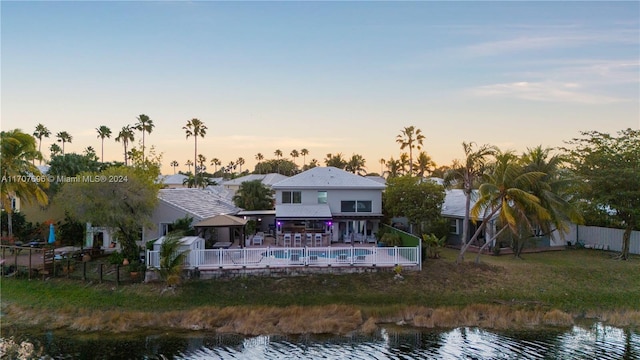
[[266, 179], [175, 179], [327, 178], [201, 204]]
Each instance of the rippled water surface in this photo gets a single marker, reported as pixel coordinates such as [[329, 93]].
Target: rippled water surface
[[595, 341]]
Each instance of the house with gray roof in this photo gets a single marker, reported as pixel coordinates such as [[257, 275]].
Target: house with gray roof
[[344, 207], [453, 209], [177, 203], [266, 179]]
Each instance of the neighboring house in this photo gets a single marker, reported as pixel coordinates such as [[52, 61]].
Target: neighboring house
[[173, 181], [266, 179], [177, 203], [344, 206], [454, 210]]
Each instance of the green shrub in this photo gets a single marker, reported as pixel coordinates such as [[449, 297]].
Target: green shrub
[[391, 239], [116, 258]]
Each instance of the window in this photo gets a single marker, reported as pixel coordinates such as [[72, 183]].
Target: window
[[453, 226], [292, 197], [322, 197], [356, 206]]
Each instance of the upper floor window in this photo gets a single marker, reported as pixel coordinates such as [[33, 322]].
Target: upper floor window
[[322, 197], [356, 206], [292, 197]]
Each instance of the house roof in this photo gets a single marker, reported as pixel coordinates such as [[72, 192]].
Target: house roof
[[266, 179], [175, 179], [297, 211], [454, 203], [327, 178], [199, 203], [221, 221]]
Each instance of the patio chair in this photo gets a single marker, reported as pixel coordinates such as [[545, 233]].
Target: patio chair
[[286, 239], [297, 239], [318, 239]]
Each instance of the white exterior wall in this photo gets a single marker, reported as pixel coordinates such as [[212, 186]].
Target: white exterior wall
[[336, 196], [163, 214]]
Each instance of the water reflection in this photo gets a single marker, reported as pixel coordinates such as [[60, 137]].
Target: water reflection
[[580, 342]]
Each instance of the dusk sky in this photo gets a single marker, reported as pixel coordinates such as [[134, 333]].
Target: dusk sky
[[327, 76]]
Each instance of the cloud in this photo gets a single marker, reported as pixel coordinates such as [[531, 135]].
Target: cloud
[[547, 91]]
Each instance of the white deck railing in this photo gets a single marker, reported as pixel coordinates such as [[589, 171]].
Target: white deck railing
[[295, 256]]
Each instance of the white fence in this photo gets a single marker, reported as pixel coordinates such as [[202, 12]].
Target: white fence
[[296, 256], [603, 238]]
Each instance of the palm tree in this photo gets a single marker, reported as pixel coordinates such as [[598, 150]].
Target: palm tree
[[145, 125], [215, 162], [356, 164], [189, 164], [125, 136], [55, 149], [404, 163], [294, 154], [382, 164], [64, 137], [335, 160], [174, 164], [18, 151], [240, 162], [278, 154], [201, 160], [304, 153], [424, 164], [394, 168], [411, 138], [103, 132], [90, 153], [253, 195], [195, 128], [465, 176], [505, 192], [259, 158], [41, 131]]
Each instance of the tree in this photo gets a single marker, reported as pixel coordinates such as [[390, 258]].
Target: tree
[[55, 150], [240, 162], [336, 161], [411, 138], [610, 165], [172, 259], [465, 176], [356, 164], [294, 154], [215, 162], [103, 132], [195, 128], [423, 164], [90, 152], [41, 131], [419, 201], [278, 153], [64, 138], [174, 164], [259, 158], [71, 165], [280, 166], [125, 205], [144, 125], [189, 164], [20, 177], [504, 193], [125, 136], [382, 162], [313, 163], [394, 168], [253, 195], [304, 153]]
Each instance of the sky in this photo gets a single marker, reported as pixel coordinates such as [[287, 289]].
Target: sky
[[331, 77]]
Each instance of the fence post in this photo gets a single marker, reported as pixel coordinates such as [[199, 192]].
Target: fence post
[[84, 270], [117, 274], [100, 272]]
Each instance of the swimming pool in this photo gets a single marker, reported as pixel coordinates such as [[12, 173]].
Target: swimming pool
[[333, 253]]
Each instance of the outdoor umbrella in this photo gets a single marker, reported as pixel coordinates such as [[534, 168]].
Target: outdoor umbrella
[[52, 234]]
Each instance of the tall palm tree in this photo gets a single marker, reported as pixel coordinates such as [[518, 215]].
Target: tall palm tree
[[103, 132], [382, 162], [145, 125], [174, 164], [195, 128], [41, 131], [423, 164], [304, 153], [18, 151], [404, 163], [201, 160], [189, 164], [411, 138], [356, 164], [125, 136], [335, 160], [64, 137], [466, 175], [394, 168], [259, 158], [278, 153], [215, 162], [505, 192], [240, 162], [294, 154]]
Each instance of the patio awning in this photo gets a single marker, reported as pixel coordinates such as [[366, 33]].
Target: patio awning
[[221, 221], [301, 212]]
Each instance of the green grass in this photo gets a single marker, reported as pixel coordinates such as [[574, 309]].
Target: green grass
[[573, 280]]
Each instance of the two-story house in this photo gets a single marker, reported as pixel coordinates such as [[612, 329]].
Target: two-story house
[[344, 207]]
